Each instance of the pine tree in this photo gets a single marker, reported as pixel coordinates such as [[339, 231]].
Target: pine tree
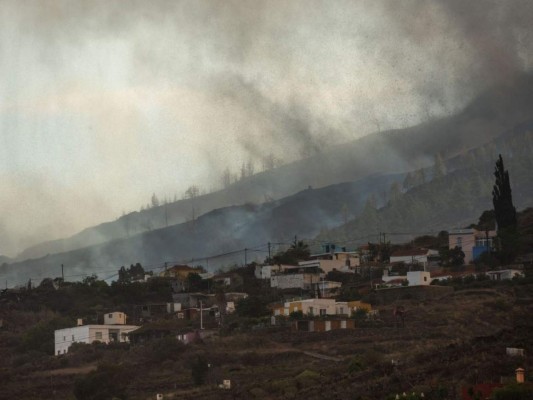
[[505, 213], [502, 197]]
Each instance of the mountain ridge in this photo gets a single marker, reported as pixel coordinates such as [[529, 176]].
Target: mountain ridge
[[486, 117]]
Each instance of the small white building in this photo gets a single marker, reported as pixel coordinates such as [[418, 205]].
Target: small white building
[[328, 265], [505, 274], [266, 271], [113, 330], [115, 318], [414, 278]]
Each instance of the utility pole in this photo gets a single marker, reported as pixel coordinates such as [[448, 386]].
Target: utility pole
[[269, 257], [245, 257], [201, 315], [62, 273]]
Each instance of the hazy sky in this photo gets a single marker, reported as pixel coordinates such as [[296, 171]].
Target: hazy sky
[[103, 103]]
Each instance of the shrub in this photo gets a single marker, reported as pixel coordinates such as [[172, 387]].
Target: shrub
[[360, 314], [296, 315], [514, 392], [41, 336], [356, 365], [106, 382], [252, 307], [306, 378], [199, 370], [167, 348]]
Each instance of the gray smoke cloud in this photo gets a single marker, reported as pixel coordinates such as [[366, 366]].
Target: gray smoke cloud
[[105, 102]]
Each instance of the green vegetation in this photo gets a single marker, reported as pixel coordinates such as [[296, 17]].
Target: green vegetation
[[505, 214], [514, 392], [40, 337], [298, 251]]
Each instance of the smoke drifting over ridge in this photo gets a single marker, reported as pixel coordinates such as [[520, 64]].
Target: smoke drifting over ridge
[[106, 102]]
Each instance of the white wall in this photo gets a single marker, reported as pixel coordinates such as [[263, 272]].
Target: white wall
[[287, 281], [326, 265], [418, 278], [88, 334], [263, 271], [65, 337]]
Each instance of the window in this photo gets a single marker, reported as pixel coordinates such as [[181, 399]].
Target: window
[[459, 242], [483, 242], [64, 338], [425, 278], [98, 335], [341, 311], [322, 311], [72, 337], [110, 315]]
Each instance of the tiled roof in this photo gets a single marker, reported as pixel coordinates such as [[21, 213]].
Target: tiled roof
[[410, 252]]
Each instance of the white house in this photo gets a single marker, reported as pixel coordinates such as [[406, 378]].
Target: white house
[[413, 256], [113, 330], [418, 278], [505, 274], [343, 258], [327, 265], [414, 278], [320, 307]]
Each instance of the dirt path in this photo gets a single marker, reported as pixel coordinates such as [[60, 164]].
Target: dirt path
[[67, 371], [321, 356]]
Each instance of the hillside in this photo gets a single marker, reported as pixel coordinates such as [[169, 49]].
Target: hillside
[[304, 214], [445, 344], [451, 201], [492, 114]]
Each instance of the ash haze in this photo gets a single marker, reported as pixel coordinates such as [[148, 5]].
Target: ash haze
[[103, 103]]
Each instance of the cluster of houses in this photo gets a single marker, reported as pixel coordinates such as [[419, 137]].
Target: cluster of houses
[[308, 276]]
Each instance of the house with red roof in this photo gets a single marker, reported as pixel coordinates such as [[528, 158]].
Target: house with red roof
[[414, 256]]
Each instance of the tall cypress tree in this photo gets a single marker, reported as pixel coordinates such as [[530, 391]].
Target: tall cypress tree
[[505, 213]]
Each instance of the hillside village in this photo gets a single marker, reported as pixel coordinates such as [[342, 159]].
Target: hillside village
[[263, 200], [337, 315]]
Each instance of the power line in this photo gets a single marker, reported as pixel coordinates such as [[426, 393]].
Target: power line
[[262, 248]]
